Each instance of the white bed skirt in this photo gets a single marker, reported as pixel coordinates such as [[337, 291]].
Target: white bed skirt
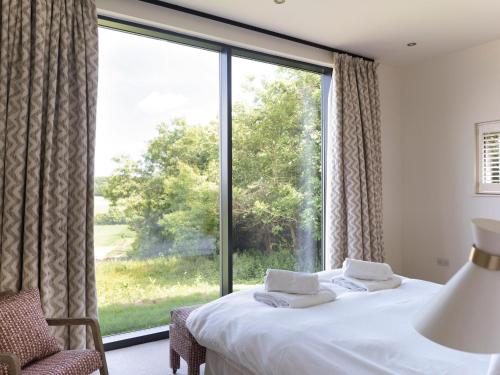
[[217, 364]]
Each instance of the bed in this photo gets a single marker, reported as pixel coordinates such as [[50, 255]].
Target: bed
[[359, 333]]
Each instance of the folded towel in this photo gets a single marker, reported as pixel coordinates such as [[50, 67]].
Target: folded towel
[[360, 269], [358, 285], [295, 301], [291, 282]]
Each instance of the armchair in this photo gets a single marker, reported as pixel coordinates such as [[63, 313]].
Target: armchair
[[65, 362]]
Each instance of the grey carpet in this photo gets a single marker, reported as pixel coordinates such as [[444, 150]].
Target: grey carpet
[[145, 359]]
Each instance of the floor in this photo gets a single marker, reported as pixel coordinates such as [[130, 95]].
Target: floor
[[146, 359]]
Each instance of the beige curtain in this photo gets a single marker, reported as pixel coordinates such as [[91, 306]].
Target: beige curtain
[[48, 89], [354, 167]]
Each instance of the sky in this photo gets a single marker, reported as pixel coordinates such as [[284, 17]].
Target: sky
[[144, 82]]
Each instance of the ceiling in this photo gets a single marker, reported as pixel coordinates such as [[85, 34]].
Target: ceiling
[[374, 28]]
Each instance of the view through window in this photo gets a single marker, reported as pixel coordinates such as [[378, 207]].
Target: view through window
[[157, 176], [276, 170], [157, 179]]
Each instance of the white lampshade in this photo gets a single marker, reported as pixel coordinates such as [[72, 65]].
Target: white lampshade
[[465, 315]]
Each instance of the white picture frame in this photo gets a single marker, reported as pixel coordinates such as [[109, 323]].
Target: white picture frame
[[482, 185]]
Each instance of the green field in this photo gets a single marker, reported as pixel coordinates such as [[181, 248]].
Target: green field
[[137, 294], [111, 241]]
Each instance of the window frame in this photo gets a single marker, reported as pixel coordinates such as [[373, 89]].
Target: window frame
[[482, 128], [226, 52]]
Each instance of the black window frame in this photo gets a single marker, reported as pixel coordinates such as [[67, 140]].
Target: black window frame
[[226, 52]]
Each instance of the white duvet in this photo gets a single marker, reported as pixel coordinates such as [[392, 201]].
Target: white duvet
[[359, 333]]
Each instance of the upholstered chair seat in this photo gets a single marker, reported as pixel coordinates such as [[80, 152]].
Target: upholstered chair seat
[[68, 362]]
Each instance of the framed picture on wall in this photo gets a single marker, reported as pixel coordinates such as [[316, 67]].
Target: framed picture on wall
[[488, 157]]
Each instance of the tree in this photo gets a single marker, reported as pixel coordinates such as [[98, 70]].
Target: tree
[[99, 182], [277, 166], [171, 195]]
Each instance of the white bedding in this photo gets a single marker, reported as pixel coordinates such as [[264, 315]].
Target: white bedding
[[359, 333], [216, 364]]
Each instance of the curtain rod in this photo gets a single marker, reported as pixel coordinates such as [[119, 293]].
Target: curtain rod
[[249, 27]]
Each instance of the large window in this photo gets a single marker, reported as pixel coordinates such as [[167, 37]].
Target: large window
[[190, 202], [157, 179]]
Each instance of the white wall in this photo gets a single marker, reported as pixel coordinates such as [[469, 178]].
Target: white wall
[[441, 101]]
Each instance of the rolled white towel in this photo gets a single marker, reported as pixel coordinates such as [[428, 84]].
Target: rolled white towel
[[291, 282], [361, 269], [295, 301], [358, 285]]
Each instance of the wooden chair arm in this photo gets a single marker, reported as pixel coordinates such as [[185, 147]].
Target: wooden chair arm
[[96, 333], [12, 362], [72, 322]]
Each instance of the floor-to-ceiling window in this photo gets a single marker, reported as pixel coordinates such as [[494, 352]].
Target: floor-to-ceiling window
[[157, 179], [161, 172], [277, 190]]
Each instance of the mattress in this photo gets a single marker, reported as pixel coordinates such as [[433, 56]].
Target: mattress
[[359, 333]]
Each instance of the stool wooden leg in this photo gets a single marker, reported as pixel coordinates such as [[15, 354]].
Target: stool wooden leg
[[175, 360]]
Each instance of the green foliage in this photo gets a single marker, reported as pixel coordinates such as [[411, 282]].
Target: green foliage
[[170, 196], [114, 216], [99, 183], [276, 168], [250, 266]]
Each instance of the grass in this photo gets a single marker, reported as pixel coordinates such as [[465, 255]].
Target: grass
[[111, 235], [112, 240], [116, 318], [137, 294]]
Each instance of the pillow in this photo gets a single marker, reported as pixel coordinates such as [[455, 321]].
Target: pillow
[[24, 330]]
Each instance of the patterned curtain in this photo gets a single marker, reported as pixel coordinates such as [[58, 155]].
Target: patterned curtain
[[48, 90], [354, 174]]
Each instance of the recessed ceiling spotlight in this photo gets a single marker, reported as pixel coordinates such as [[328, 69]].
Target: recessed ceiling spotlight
[[279, 1], [411, 44]]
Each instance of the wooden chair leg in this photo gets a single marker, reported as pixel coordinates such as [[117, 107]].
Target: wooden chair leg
[[175, 360]]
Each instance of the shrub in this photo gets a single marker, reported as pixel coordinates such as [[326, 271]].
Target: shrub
[[112, 217]]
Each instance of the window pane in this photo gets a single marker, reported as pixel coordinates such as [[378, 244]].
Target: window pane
[[157, 184], [276, 170]]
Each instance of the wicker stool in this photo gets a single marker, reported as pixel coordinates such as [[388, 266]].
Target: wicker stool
[[183, 344]]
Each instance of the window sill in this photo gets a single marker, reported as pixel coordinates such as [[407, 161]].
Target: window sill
[[124, 340]]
